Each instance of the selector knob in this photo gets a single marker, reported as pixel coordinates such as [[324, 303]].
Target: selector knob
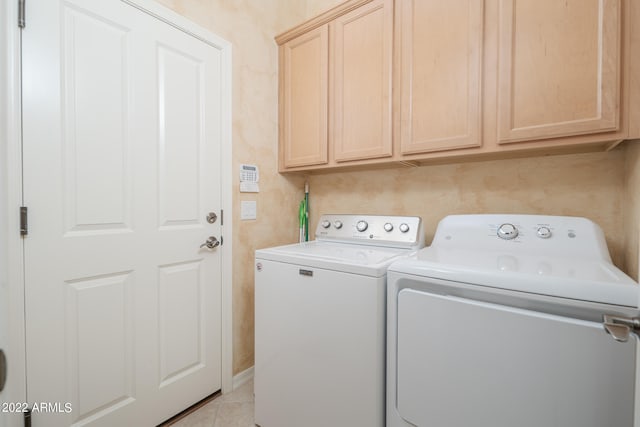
[[337, 224], [544, 232], [388, 227], [361, 225], [325, 224], [404, 227], [507, 231]]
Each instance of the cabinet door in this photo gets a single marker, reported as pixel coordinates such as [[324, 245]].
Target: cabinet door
[[559, 67], [440, 75], [303, 99], [361, 55]]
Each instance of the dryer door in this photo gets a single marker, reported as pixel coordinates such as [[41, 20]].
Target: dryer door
[[465, 363]]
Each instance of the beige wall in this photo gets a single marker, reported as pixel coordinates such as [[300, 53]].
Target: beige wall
[[632, 208], [250, 26], [588, 185]]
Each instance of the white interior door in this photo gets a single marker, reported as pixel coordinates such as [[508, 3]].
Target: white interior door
[[122, 134]]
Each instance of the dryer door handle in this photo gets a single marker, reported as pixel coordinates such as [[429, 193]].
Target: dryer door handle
[[621, 327]]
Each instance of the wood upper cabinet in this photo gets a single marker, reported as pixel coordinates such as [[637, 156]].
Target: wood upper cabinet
[[440, 74], [335, 87], [360, 82], [304, 76], [419, 81], [559, 68]]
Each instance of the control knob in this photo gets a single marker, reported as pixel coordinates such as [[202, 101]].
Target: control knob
[[361, 225], [404, 227], [325, 224], [337, 224], [544, 232], [507, 231], [388, 227]]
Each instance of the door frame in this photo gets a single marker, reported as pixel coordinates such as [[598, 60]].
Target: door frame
[[11, 181]]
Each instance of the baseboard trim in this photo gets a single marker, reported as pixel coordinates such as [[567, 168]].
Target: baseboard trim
[[242, 377]]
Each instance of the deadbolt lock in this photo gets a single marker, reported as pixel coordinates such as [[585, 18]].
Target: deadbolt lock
[[212, 217]]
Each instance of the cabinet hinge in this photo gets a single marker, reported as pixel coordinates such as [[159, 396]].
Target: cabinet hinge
[[621, 327], [24, 225], [21, 13]]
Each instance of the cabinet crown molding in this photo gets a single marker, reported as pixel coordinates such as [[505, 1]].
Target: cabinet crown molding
[[320, 20]]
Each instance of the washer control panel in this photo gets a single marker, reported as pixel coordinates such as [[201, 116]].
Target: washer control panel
[[381, 230]]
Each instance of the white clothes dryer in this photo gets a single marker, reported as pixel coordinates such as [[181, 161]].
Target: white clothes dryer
[[320, 322], [512, 320]]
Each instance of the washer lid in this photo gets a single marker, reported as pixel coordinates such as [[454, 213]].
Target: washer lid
[[595, 280], [356, 259]]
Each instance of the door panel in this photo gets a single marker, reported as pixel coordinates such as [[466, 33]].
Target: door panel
[[122, 118], [181, 137], [361, 54], [440, 74], [181, 320], [559, 68], [99, 326], [303, 86], [95, 47]]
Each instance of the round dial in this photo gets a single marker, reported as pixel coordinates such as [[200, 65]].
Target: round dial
[[325, 224], [404, 227], [544, 232], [388, 227], [507, 231], [337, 224], [361, 225]]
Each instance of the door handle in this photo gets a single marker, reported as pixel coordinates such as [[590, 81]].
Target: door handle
[[211, 243], [621, 327]]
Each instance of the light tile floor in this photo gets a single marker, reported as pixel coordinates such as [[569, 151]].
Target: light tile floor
[[234, 409]]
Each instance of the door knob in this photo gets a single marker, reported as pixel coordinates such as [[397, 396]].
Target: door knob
[[211, 243]]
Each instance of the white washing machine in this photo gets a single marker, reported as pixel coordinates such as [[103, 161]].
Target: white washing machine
[[320, 322], [512, 320]]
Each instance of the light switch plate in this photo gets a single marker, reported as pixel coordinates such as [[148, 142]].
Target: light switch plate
[[248, 210]]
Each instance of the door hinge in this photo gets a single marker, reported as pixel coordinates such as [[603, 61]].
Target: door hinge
[[27, 418], [24, 225], [21, 14], [3, 369], [221, 217], [221, 240], [621, 327]]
